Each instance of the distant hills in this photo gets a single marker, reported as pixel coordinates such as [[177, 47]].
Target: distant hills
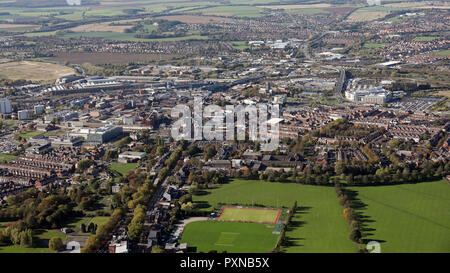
[[49, 3]]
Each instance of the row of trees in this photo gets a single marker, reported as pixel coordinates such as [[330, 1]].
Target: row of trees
[[103, 232], [350, 215], [282, 239], [136, 225]]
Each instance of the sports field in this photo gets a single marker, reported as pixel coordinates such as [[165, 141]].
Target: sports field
[[407, 218], [255, 215], [317, 225], [232, 237]]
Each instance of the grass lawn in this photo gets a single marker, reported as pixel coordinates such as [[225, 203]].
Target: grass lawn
[[318, 224], [31, 134], [7, 157], [41, 238], [374, 45], [443, 53], [230, 236], [239, 45], [76, 223], [425, 38], [407, 218], [256, 215], [123, 168]]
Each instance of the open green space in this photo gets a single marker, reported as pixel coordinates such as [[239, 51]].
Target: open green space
[[239, 45], [425, 38], [230, 236], [30, 134], [256, 215], [443, 53], [75, 224], [317, 226], [7, 157], [122, 168], [374, 45], [41, 238], [407, 218]]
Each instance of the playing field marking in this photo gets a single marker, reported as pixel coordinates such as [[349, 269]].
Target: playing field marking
[[243, 221], [223, 244]]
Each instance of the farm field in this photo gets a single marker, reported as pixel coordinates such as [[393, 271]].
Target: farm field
[[257, 215], [318, 224], [36, 71], [366, 15], [229, 236], [229, 11], [18, 27], [101, 27], [193, 19], [407, 218], [102, 58]]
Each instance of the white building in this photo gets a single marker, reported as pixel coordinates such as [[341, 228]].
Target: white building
[[38, 109], [5, 106], [22, 115], [371, 95], [129, 156]]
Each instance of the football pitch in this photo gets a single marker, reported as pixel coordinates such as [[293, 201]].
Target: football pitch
[[233, 237], [254, 215]]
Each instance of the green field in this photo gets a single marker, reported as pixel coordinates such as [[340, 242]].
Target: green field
[[7, 157], [317, 225], [76, 223], [249, 215], [41, 238], [374, 45], [229, 236], [443, 53], [425, 38], [407, 218], [30, 134], [123, 168]]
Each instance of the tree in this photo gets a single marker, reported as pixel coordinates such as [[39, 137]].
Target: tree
[[84, 164], [339, 168], [56, 244], [355, 235], [83, 228], [157, 249]]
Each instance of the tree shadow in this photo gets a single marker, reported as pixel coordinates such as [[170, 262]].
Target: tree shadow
[[365, 220], [202, 204], [291, 241], [295, 224], [302, 210]]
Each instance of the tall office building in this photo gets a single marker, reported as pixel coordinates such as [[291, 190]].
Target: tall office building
[[5, 106]]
